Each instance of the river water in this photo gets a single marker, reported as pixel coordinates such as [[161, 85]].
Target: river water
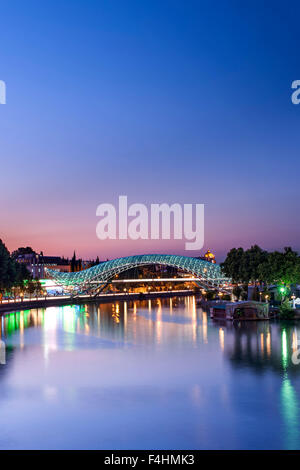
[[154, 374]]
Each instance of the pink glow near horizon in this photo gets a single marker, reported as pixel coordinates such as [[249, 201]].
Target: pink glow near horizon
[[61, 240]]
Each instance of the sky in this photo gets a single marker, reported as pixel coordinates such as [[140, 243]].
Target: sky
[[162, 101]]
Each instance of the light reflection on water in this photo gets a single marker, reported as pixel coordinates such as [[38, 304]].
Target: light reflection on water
[[147, 374]]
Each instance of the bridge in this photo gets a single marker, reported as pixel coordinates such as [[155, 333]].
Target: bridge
[[205, 274]]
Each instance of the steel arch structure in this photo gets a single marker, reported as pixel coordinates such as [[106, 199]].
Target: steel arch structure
[[206, 274]]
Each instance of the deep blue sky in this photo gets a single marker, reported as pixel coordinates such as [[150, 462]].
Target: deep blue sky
[[164, 101]]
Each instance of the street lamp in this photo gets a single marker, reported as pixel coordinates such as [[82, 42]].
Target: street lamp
[[282, 292]]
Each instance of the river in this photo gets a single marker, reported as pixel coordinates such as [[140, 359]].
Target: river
[[154, 374]]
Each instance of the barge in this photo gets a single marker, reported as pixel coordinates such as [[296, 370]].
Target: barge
[[244, 310]]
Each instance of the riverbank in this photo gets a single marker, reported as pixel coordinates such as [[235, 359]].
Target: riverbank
[[27, 304], [217, 309]]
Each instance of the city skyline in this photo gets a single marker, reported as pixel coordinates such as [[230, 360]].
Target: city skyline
[[102, 256]]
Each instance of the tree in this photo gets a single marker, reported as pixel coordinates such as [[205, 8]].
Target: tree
[[252, 259], [22, 251], [12, 273], [255, 264], [22, 275], [38, 287], [232, 266], [285, 310], [243, 266], [30, 287], [281, 268], [5, 266]]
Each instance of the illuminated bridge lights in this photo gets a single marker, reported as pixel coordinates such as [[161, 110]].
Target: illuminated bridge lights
[[207, 274]]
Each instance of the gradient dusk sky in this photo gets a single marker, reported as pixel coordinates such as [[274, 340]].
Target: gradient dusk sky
[[162, 101]]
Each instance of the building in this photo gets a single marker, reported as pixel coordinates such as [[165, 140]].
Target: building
[[209, 256], [36, 264]]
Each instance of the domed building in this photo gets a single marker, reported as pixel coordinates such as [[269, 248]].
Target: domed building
[[209, 256]]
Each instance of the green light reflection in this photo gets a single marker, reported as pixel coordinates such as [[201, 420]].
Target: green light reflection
[[290, 413]]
